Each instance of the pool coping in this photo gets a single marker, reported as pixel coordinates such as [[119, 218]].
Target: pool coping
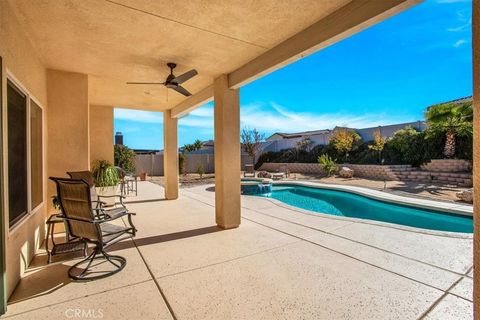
[[379, 195], [461, 209]]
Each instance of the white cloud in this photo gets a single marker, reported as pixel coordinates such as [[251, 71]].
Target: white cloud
[[459, 43], [460, 28], [273, 117], [266, 117], [205, 111], [138, 116]]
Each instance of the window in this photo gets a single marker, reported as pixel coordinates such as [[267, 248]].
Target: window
[[36, 154], [17, 153], [25, 152]]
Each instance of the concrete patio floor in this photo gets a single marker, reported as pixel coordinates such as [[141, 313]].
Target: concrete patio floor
[[281, 263]]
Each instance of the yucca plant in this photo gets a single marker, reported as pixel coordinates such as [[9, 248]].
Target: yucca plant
[[105, 174], [328, 164]]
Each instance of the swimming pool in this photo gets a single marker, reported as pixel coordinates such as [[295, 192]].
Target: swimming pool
[[346, 204]]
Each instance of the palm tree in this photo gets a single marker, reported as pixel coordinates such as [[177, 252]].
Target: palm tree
[[198, 144], [452, 120]]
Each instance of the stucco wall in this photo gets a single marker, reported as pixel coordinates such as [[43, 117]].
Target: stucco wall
[[101, 133], [68, 125], [19, 58]]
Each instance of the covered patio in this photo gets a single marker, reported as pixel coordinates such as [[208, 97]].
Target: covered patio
[[281, 264], [67, 63]]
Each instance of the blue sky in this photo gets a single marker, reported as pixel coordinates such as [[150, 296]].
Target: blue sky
[[386, 74]]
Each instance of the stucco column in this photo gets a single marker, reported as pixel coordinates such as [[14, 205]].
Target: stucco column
[[476, 155], [68, 125], [101, 133], [170, 155], [227, 154]]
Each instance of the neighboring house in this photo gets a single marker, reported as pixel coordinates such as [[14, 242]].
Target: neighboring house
[[280, 141], [388, 131]]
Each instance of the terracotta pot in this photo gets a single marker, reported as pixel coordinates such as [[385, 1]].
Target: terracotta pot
[[143, 176]]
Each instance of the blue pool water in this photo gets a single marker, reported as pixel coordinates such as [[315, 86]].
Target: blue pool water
[[347, 204]]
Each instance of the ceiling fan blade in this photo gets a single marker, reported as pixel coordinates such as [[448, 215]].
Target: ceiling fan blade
[[145, 82], [184, 77], [181, 90]]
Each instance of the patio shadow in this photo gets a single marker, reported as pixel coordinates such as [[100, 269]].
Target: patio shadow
[[41, 282], [164, 238]]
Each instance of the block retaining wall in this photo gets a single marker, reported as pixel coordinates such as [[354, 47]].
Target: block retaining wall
[[388, 172]]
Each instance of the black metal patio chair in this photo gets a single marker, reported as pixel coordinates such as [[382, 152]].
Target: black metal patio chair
[[92, 225], [87, 176]]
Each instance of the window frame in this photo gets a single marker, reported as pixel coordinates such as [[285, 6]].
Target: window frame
[[29, 97]]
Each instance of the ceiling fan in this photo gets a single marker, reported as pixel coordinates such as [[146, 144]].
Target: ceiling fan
[[173, 82]]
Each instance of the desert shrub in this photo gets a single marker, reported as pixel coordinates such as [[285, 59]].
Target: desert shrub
[[200, 170], [182, 163], [328, 164]]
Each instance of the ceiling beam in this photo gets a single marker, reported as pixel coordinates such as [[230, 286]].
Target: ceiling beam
[[183, 108], [344, 22]]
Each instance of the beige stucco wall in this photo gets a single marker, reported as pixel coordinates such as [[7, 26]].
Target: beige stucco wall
[[20, 60], [101, 133], [68, 125]]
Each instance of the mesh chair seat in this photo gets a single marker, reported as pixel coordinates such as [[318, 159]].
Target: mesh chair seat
[[87, 176], [92, 225], [111, 232]]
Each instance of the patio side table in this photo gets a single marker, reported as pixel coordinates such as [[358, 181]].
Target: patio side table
[[70, 245]]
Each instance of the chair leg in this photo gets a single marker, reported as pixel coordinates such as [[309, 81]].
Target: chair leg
[[117, 261], [132, 225]]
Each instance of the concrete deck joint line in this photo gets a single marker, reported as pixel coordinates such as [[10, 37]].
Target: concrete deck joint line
[[357, 259], [336, 235], [172, 313], [234, 259], [69, 300], [355, 241], [439, 300]]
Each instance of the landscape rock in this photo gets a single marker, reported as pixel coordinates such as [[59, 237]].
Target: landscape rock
[[346, 172], [466, 195]]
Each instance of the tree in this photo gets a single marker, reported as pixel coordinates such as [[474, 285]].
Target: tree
[[344, 140], [378, 143], [124, 157], [197, 145], [305, 144], [252, 142], [452, 120]]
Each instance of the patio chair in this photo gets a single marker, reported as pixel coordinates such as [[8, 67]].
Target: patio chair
[[87, 176], [128, 181], [91, 225], [249, 170]]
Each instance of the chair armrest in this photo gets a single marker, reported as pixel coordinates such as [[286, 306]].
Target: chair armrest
[[99, 203], [107, 218]]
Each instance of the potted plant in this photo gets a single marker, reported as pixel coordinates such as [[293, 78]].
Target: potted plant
[[106, 180]]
